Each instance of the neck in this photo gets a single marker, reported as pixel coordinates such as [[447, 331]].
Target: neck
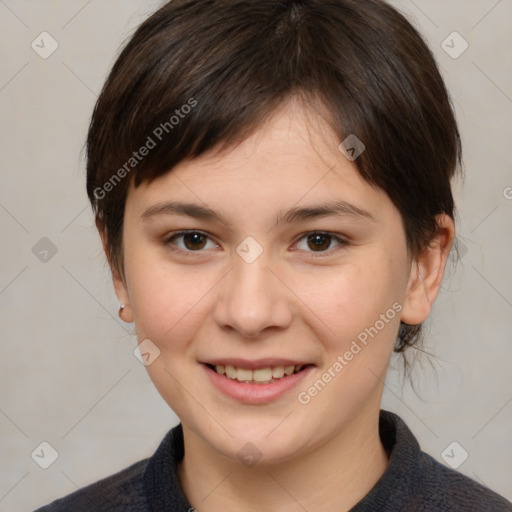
[[333, 476]]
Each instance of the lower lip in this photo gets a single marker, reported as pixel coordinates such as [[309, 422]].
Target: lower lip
[[256, 393]]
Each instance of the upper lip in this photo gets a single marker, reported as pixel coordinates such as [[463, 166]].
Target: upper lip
[[254, 364]]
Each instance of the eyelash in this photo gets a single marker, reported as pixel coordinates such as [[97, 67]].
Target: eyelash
[[168, 242]]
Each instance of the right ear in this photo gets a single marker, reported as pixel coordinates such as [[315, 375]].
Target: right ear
[[117, 280]]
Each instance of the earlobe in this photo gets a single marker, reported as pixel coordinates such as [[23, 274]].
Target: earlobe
[[426, 275], [125, 311]]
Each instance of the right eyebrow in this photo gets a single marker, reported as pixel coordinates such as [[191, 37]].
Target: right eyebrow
[[176, 208]]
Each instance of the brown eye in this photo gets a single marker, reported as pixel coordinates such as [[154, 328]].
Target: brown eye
[[188, 242], [194, 241], [319, 241]]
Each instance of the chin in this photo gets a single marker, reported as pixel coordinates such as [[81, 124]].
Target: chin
[[262, 445]]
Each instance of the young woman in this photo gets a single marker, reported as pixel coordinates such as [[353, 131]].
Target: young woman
[[271, 183]]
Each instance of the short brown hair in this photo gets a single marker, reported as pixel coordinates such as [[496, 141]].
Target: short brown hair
[[233, 62]]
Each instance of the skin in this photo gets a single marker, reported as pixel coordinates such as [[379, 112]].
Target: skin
[[295, 301]]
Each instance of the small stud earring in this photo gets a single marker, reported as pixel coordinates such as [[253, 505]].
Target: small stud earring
[[121, 309]]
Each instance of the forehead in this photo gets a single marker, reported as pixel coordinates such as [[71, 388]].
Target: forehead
[[292, 160]]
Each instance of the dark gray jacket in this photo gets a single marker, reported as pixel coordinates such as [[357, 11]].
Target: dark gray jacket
[[413, 482]]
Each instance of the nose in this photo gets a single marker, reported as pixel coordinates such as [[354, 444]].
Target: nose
[[252, 299]]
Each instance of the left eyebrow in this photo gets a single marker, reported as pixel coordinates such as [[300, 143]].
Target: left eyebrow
[[332, 209], [294, 215]]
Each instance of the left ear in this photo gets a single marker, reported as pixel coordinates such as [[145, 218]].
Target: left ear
[[427, 270]]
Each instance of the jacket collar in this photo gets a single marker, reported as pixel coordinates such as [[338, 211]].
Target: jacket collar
[[164, 492]]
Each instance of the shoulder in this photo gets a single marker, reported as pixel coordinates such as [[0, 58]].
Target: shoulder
[[149, 484], [122, 491], [416, 482], [447, 489]]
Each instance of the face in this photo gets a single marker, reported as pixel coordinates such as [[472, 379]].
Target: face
[[268, 284]]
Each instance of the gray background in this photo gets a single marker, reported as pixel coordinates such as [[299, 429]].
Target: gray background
[[68, 375]]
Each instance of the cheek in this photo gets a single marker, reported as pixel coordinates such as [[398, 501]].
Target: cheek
[[354, 298], [361, 305], [168, 310], [166, 303]]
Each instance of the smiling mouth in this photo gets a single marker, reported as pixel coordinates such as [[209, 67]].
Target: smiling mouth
[[265, 375]]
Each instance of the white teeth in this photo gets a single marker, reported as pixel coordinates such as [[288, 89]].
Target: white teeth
[[278, 372], [243, 375], [231, 372], [261, 375], [288, 370]]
